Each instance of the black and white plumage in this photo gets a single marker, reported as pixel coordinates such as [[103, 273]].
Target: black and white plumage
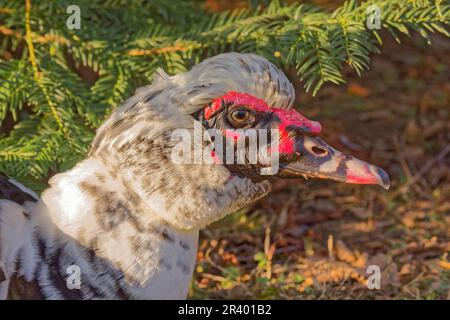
[[127, 216]]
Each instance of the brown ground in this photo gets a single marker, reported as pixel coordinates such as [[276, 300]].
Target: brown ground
[[314, 239]]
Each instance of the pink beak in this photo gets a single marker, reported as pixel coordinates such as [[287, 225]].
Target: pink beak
[[319, 160]]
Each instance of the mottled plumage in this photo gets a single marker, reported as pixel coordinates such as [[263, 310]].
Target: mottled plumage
[[127, 215]]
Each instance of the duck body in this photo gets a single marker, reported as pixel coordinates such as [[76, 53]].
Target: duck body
[[124, 223], [110, 254]]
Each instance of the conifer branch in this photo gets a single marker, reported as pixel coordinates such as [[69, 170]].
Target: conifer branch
[[37, 76], [66, 82]]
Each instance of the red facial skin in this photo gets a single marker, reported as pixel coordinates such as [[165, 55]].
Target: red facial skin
[[288, 118], [291, 126]]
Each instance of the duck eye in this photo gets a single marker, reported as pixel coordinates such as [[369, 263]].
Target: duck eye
[[240, 117]]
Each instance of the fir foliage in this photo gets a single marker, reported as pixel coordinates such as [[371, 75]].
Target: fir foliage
[[58, 85]]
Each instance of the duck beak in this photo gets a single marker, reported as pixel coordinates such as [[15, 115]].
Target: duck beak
[[316, 159]]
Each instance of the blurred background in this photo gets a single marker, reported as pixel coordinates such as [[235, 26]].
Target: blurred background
[[315, 239]]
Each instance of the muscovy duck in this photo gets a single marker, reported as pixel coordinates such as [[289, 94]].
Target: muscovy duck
[[126, 219]]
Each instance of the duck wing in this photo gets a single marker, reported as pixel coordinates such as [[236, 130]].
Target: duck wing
[[17, 208]]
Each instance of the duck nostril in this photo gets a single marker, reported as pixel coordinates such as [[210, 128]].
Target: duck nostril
[[319, 151]]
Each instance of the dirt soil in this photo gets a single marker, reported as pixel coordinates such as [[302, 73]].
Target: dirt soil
[[315, 239]]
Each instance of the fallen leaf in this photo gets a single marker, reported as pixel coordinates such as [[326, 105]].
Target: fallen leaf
[[358, 90]]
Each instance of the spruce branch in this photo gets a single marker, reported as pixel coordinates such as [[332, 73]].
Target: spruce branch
[[58, 85], [37, 76]]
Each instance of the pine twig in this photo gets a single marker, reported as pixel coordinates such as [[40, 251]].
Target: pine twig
[[37, 76]]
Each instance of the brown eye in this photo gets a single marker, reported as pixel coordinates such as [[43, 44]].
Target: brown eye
[[240, 117]]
